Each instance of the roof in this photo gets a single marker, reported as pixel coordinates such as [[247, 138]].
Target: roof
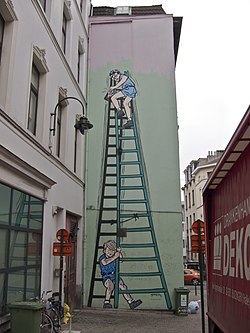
[[236, 146], [135, 10], [142, 11]]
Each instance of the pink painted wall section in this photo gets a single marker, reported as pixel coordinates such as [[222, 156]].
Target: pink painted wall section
[[135, 39]]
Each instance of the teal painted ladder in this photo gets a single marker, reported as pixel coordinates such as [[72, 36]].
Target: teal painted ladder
[[132, 191], [125, 216]]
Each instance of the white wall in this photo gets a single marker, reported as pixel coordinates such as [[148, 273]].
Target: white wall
[[32, 27]]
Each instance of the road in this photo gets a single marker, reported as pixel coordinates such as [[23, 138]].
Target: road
[[93, 320]]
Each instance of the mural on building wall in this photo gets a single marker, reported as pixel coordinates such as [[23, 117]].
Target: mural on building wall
[[123, 201], [123, 88], [107, 262]]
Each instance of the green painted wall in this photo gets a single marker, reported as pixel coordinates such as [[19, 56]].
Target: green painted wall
[[157, 117]]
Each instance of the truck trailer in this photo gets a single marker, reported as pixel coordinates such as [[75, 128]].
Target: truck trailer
[[226, 198]]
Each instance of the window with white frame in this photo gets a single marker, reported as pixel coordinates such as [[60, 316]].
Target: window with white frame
[[67, 16], [43, 4], [81, 5], [45, 7], [58, 129], [7, 14], [79, 56], [75, 151], [2, 23], [33, 99], [39, 68], [193, 201], [60, 138], [64, 32], [80, 59]]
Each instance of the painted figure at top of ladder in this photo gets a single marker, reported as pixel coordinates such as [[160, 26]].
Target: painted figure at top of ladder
[[127, 92]]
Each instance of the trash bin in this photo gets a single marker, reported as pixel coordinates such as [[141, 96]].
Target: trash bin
[[25, 317], [181, 301]]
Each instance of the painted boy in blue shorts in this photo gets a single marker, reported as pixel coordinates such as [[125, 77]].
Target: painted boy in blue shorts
[[124, 88], [107, 262]]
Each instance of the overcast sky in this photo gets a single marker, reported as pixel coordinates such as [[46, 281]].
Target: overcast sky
[[212, 71]]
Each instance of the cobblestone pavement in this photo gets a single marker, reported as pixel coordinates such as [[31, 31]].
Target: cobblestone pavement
[[93, 320]]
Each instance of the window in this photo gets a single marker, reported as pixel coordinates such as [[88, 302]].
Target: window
[[1, 34], [7, 14], [75, 151], [43, 4], [193, 198], [81, 5], [37, 89], [81, 51], [78, 66], [123, 10], [61, 124], [189, 200], [64, 32], [67, 16], [209, 174], [58, 129], [21, 222], [33, 101]]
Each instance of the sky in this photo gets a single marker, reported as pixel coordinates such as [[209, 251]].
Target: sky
[[212, 71]]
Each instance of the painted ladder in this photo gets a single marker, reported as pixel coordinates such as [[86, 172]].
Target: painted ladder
[[125, 215]]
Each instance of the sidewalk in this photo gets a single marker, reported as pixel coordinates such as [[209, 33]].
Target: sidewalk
[[96, 320]]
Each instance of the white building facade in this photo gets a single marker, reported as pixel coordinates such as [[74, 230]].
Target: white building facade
[[184, 232], [196, 176], [43, 52]]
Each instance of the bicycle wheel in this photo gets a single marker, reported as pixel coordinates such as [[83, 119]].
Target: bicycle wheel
[[55, 317], [46, 325]]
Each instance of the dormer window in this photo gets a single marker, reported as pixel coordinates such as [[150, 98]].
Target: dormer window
[[123, 10]]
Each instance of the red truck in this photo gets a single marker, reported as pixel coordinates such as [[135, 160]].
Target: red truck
[[226, 199]]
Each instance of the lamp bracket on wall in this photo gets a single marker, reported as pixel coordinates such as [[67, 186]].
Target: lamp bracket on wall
[[82, 124]]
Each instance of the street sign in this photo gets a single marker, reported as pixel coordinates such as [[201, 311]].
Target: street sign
[[196, 225], [195, 243], [67, 249], [195, 238], [195, 248], [62, 233]]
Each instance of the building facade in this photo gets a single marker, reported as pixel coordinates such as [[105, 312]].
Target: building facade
[[136, 47], [196, 176], [184, 233], [43, 50]]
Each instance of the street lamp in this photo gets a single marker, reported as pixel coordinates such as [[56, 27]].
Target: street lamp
[[82, 124]]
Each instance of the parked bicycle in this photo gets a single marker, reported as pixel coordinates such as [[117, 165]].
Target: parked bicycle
[[51, 314], [55, 311]]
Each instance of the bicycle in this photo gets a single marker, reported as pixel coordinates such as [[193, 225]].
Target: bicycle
[[46, 325], [55, 311], [51, 314]]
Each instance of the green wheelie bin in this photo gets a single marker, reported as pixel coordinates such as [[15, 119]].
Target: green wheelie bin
[[25, 317]]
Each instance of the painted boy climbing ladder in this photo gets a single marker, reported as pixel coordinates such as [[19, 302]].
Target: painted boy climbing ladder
[[107, 263]]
